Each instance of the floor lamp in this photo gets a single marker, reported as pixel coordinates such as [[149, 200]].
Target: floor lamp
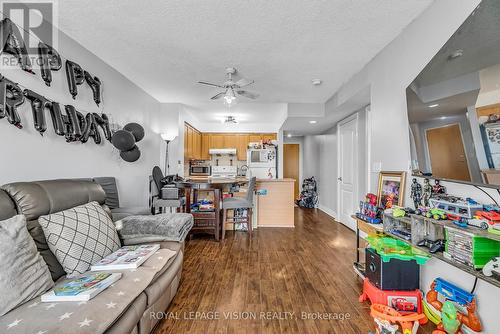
[[167, 138]]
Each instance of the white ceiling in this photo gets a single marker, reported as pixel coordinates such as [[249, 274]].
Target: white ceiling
[[167, 46]]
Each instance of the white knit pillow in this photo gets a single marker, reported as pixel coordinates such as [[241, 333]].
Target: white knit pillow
[[80, 237], [23, 273]]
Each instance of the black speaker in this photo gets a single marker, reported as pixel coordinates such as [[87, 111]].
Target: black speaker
[[393, 275]]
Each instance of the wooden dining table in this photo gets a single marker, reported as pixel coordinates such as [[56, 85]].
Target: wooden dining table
[[208, 221]]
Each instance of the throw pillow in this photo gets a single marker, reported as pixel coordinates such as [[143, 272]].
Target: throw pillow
[[80, 237], [24, 274]]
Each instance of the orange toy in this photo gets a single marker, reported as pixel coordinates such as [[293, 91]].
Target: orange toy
[[470, 320], [385, 315]]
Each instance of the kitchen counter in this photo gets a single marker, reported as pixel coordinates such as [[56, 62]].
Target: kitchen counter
[[275, 207]]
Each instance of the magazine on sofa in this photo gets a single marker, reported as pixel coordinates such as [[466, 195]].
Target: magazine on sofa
[[82, 288], [127, 257]]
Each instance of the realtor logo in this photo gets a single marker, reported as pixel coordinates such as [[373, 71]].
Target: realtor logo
[[34, 20]]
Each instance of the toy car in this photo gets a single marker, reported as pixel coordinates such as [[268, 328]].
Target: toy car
[[491, 217], [401, 304], [437, 214], [398, 212], [491, 207], [481, 223]]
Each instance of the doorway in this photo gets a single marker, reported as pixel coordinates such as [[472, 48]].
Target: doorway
[[291, 165], [447, 154], [347, 170]]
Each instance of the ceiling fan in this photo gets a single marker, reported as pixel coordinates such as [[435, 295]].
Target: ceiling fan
[[231, 88]]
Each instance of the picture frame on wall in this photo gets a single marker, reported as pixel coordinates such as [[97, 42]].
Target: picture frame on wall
[[391, 189]]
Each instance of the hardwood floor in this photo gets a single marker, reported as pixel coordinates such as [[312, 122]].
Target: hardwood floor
[[306, 270]]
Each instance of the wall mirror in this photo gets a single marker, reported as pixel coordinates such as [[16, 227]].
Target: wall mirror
[[454, 104]]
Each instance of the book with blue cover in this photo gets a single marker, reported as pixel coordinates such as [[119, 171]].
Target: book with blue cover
[[81, 288]]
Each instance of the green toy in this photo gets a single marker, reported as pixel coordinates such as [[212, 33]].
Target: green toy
[[398, 212], [389, 248], [449, 317], [435, 213]]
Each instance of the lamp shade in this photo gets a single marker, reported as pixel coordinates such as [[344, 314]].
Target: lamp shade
[[167, 136]]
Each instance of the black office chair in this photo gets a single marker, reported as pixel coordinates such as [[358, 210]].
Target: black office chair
[[164, 194]]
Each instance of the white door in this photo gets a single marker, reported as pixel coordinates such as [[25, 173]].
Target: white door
[[347, 169]]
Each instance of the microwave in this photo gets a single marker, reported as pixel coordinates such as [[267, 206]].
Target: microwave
[[261, 157], [199, 170]]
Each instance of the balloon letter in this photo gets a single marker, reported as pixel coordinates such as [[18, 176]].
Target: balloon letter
[[72, 122], [38, 105], [75, 76], [50, 60], [57, 118], [11, 96], [103, 121], [13, 43], [95, 85]]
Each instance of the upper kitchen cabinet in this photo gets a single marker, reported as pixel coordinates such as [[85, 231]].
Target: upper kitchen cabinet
[[254, 137], [216, 140], [230, 140], [241, 146], [205, 146], [269, 136], [192, 143]]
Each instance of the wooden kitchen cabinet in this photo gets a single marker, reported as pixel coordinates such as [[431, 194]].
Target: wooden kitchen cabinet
[[205, 146], [241, 146], [216, 140], [198, 144], [230, 140], [254, 137]]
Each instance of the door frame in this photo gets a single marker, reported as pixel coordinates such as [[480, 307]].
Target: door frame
[[353, 117], [300, 160], [428, 152]]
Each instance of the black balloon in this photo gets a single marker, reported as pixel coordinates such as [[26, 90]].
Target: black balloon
[[49, 60], [75, 76], [13, 43], [95, 85], [103, 121], [11, 96], [131, 155], [38, 105], [136, 129], [123, 140], [57, 118], [90, 130], [73, 121]]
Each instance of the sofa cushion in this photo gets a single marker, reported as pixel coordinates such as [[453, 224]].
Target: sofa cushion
[[7, 206], [80, 237], [108, 183], [34, 199], [164, 278], [24, 274]]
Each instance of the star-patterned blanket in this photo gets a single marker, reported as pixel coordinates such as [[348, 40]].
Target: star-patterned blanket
[[94, 316]]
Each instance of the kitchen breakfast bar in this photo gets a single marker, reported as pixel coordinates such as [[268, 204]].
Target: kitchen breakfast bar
[[273, 203]]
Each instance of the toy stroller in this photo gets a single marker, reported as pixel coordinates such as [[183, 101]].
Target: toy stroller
[[308, 196]]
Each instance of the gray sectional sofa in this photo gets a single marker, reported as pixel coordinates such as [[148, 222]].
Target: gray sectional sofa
[[34, 199]]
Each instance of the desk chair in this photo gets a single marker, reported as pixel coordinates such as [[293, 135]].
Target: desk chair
[[233, 203], [163, 196]]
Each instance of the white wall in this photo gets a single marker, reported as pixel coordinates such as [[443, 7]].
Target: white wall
[[28, 156], [388, 75]]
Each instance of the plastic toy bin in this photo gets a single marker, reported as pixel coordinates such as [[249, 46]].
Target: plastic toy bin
[[469, 249]]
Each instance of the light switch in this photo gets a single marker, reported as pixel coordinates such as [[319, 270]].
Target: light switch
[[377, 167]]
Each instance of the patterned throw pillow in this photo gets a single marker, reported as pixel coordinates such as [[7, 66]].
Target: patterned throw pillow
[[80, 237]]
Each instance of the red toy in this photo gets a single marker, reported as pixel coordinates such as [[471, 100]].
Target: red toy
[[491, 217], [405, 302], [371, 199]]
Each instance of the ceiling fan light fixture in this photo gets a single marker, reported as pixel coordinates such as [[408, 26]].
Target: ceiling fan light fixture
[[229, 98]]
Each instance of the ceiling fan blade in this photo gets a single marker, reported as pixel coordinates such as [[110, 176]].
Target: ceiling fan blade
[[250, 95], [244, 82], [210, 84], [218, 96]]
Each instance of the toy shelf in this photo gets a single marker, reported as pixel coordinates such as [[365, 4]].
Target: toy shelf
[[477, 273]]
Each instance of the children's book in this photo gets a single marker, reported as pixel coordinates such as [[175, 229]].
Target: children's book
[[82, 288]]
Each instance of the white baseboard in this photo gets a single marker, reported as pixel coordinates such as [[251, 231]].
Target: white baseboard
[[328, 211]]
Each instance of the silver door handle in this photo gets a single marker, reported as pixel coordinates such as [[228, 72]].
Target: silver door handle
[[339, 178]]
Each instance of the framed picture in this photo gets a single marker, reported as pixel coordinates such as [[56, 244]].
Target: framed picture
[[391, 189]]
